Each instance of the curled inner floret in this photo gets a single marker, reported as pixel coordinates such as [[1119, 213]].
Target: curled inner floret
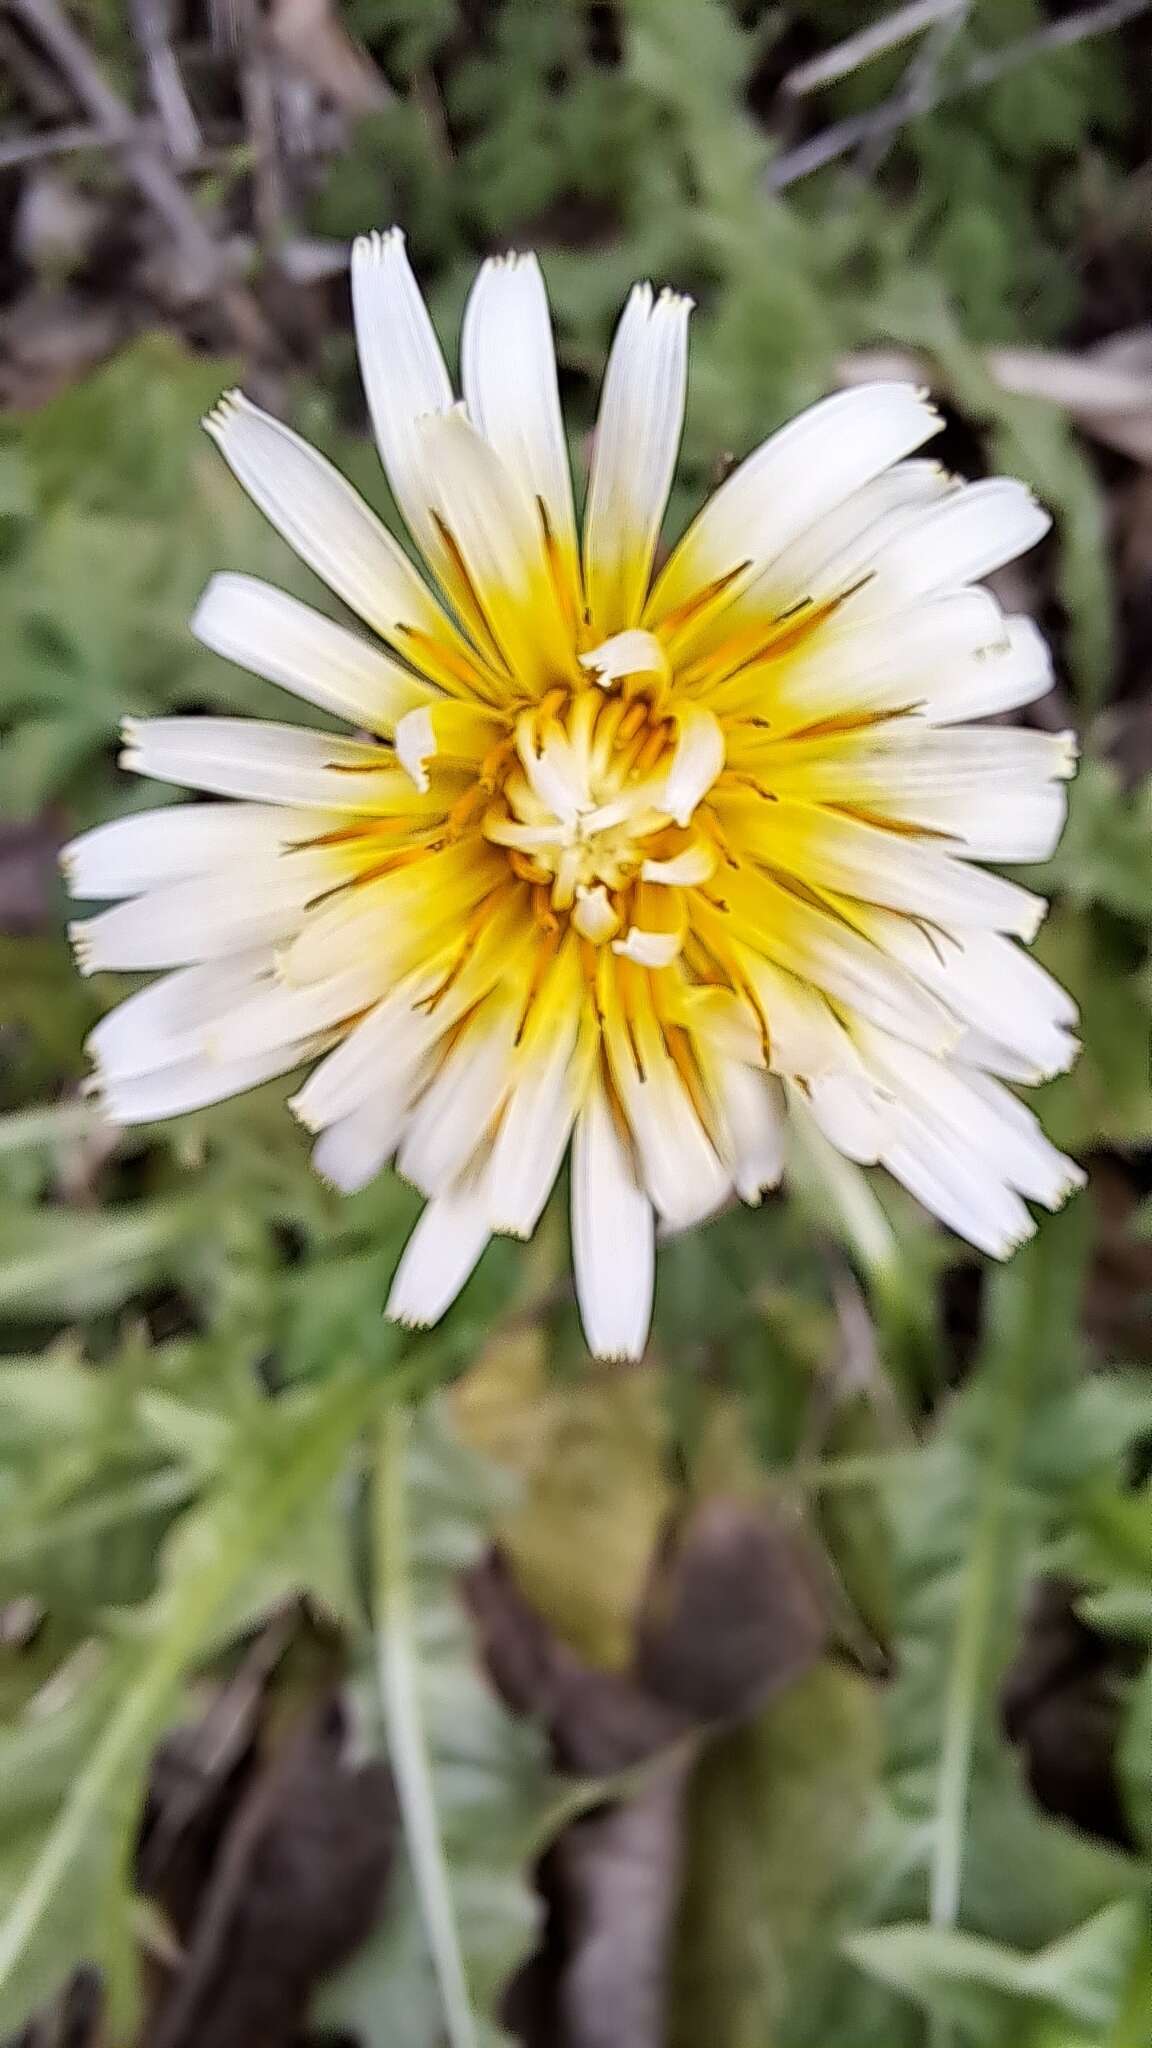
[[589, 806]]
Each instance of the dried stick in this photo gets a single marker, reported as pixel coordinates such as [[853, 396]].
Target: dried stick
[[860, 49], [205, 262], [30, 149], [150, 19], [845, 136], [258, 93], [921, 82]]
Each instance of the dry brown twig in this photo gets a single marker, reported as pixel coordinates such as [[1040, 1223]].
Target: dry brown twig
[[152, 26], [912, 100], [1107, 390], [258, 91], [860, 49], [312, 35], [206, 268]]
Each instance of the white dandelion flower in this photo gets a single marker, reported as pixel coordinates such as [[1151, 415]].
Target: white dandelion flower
[[630, 862]]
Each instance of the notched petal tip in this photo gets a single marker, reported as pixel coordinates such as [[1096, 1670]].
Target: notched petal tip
[[415, 742], [82, 948], [221, 416], [378, 245], [406, 1319]]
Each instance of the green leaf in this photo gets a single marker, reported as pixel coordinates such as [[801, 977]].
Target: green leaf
[[68, 1263], [1107, 1097], [1134, 1759], [64, 1883], [980, 1984], [774, 1812], [1105, 854], [962, 1838], [476, 1796], [49, 1125]]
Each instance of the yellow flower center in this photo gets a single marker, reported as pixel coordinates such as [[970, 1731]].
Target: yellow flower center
[[582, 803]]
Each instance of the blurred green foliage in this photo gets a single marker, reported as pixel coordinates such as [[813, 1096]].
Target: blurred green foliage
[[194, 1353]]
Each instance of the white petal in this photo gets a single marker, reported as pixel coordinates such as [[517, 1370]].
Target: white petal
[[325, 521], [279, 1014], [143, 851], [164, 1023], [1032, 1163], [649, 949], [194, 1083], [631, 653], [696, 763], [438, 1257], [534, 1130], [791, 480], [456, 1109], [447, 729], [979, 1115], [678, 1162], [992, 793], [806, 1039], [824, 555], [927, 655], [508, 371], [593, 915], [190, 921], [612, 1237], [416, 744], [509, 597], [975, 1050], [849, 1114], [956, 1187], [861, 860], [751, 1142], [403, 371], [971, 533], [1013, 673], [385, 1050], [352, 1151], [992, 985], [723, 1023], [826, 955], [407, 917], [634, 455], [999, 824], [248, 757], [951, 658], [264, 630], [685, 870]]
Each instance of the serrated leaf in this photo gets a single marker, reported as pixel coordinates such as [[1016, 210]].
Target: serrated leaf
[[963, 1840], [1105, 854], [73, 1263], [980, 1985], [1107, 1097], [65, 1885]]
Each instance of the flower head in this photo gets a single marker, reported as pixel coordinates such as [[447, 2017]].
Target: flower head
[[638, 861]]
